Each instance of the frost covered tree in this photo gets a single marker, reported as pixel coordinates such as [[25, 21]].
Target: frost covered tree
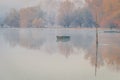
[[83, 18], [12, 19], [65, 13]]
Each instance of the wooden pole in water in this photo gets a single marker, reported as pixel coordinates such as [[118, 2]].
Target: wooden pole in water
[[96, 42]]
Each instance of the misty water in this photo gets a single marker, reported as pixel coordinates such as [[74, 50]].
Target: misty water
[[38, 54]]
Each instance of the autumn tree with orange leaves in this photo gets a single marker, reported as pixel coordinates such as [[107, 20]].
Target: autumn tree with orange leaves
[[108, 11]]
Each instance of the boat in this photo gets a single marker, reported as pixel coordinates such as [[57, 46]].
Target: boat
[[63, 38]]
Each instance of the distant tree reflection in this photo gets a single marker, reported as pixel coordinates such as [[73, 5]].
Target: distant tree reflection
[[108, 47]]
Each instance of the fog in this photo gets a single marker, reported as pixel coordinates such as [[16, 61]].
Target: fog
[[47, 5], [34, 54], [4, 6]]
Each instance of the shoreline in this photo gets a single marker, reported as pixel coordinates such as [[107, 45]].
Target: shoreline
[[68, 28]]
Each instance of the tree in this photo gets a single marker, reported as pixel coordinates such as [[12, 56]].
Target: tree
[[65, 15], [112, 25], [107, 10], [38, 22], [78, 18], [12, 19], [88, 18], [83, 18], [29, 16]]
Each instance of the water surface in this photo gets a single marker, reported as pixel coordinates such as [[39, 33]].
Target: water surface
[[35, 54]]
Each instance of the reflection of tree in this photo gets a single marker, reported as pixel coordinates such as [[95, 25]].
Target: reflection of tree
[[24, 38], [65, 49], [78, 41], [12, 36], [29, 39], [108, 52], [111, 56], [83, 41], [91, 55]]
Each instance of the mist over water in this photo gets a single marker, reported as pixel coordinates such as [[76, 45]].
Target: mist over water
[[36, 54], [57, 40]]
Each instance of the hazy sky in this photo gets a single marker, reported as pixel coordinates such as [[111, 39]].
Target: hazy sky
[[6, 5]]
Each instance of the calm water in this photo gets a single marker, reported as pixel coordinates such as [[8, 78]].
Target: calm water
[[37, 54]]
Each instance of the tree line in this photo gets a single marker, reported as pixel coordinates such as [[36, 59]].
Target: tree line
[[67, 15]]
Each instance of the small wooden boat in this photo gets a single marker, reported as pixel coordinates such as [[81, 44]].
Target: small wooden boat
[[63, 38]]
